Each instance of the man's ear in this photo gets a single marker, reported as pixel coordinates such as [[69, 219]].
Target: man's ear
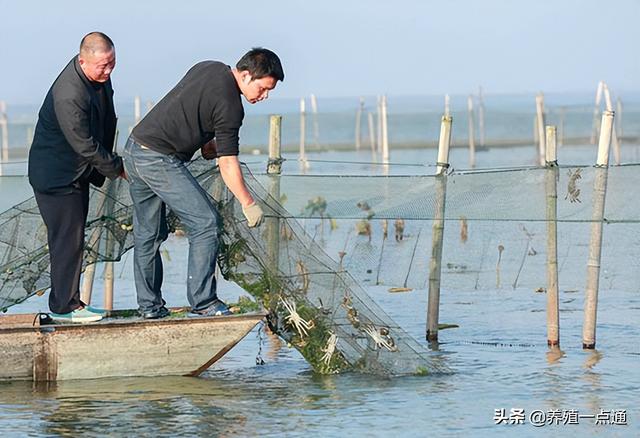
[[246, 78]]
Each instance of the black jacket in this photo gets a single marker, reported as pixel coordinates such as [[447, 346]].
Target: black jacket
[[73, 140]]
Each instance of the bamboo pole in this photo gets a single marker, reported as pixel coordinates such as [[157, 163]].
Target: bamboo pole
[[4, 131], [316, 128], [540, 117], [535, 134], [481, 116], [372, 135], [88, 276], [435, 264], [595, 244], [359, 124], [379, 125], [29, 137], [304, 164], [614, 135], [136, 110], [619, 119], [109, 244], [596, 112], [560, 133], [553, 312], [274, 169], [472, 135], [385, 131]]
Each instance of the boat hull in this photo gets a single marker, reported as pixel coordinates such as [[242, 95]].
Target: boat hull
[[117, 348]]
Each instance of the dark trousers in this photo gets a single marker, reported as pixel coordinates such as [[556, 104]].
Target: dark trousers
[[65, 217]]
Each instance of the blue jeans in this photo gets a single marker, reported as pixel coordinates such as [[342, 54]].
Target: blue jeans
[[156, 181]]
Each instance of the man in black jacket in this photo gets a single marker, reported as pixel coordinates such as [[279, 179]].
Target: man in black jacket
[[71, 148]]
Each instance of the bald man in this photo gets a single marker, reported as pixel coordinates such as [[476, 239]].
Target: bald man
[[72, 147]]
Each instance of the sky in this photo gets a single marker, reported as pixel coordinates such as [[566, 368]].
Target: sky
[[333, 48]]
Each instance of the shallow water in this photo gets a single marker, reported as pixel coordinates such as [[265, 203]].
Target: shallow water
[[498, 356]]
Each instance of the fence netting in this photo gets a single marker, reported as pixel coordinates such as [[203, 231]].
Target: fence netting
[[327, 237]]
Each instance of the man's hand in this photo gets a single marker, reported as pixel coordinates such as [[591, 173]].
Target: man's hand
[[254, 214], [209, 150]]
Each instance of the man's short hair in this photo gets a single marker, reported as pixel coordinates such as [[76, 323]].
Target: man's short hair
[[95, 42], [261, 63]]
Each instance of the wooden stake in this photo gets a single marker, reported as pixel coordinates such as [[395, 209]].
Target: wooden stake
[[553, 313], [481, 116], [560, 133], [274, 169], [379, 126], [435, 264], [4, 131], [136, 110], [385, 131], [595, 245], [359, 124], [316, 128], [614, 135], [619, 119], [275, 158], [304, 164], [472, 140], [372, 135], [596, 112], [540, 117]]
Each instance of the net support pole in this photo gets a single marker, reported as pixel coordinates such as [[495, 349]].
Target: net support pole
[[4, 133], [109, 246], [596, 112], [481, 116], [435, 264], [379, 125], [472, 135], [614, 135], [551, 186], [540, 124], [372, 135], [316, 128], [385, 131], [94, 243], [136, 110], [304, 164], [595, 244], [274, 169], [358, 133]]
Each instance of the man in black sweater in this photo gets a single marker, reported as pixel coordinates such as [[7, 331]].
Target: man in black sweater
[[72, 147], [202, 112]]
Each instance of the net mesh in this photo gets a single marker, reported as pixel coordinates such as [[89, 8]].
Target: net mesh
[[315, 304], [326, 237]]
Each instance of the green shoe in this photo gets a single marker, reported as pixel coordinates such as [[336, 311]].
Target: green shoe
[[97, 311], [81, 316]]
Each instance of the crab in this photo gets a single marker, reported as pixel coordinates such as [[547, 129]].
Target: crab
[[330, 348], [381, 337], [299, 323]]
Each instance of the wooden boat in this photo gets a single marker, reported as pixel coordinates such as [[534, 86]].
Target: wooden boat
[[119, 346]]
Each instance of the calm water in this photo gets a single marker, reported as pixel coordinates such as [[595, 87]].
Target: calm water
[[498, 354]]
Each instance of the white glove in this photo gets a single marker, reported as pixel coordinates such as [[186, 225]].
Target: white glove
[[254, 214]]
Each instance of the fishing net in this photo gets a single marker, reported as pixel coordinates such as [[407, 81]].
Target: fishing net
[[315, 304], [325, 237]]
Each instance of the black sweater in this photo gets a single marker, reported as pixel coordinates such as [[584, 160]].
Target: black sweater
[[206, 103]]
